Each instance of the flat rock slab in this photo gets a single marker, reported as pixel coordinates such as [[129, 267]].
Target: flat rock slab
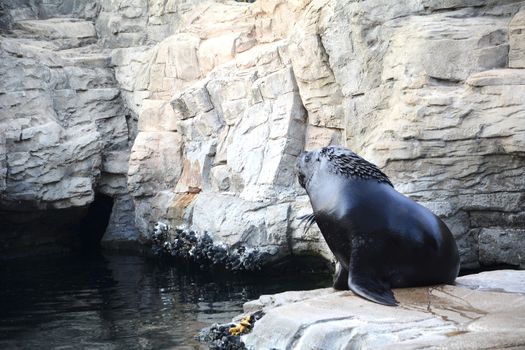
[[57, 28], [483, 311]]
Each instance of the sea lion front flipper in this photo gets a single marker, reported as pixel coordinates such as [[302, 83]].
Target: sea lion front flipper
[[371, 289]]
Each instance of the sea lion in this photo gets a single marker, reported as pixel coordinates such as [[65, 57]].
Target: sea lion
[[381, 238]]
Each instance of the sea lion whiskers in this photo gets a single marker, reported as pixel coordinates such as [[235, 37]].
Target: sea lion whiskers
[[308, 220]]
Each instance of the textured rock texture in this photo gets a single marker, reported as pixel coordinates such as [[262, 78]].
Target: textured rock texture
[[220, 123], [219, 98], [131, 23], [483, 311], [64, 130], [433, 92]]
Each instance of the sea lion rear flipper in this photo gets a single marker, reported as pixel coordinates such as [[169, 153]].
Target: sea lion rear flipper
[[371, 289]]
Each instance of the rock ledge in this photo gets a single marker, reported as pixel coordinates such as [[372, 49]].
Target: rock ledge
[[483, 311]]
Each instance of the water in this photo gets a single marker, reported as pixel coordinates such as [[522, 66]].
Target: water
[[122, 302]]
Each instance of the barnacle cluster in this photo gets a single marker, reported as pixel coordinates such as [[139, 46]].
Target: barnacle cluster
[[200, 248], [217, 337]]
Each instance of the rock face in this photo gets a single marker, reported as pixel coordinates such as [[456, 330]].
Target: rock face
[[219, 130], [64, 131], [217, 100], [431, 92], [483, 311]]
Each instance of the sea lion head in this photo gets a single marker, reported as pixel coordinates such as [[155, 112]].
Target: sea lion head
[[336, 160], [309, 164]]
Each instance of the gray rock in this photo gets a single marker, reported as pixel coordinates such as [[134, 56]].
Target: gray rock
[[29, 9], [483, 311], [66, 33], [131, 23], [155, 163], [121, 232], [62, 120], [503, 246], [517, 40], [497, 77], [236, 220], [510, 281]]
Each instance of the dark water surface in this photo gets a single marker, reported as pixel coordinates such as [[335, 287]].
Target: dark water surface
[[122, 302]]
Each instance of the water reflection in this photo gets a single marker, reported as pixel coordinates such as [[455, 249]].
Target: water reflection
[[121, 302]]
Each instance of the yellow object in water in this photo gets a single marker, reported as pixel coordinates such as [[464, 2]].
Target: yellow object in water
[[242, 327]]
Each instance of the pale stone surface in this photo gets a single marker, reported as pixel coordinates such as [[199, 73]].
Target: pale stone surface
[[158, 154], [497, 77], [18, 10], [131, 23], [65, 33], [483, 311], [511, 281], [241, 124], [51, 140], [517, 40]]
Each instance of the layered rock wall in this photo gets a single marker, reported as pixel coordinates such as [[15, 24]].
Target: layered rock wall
[[219, 153], [431, 92], [430, 101], [219, 98], [64, 131]]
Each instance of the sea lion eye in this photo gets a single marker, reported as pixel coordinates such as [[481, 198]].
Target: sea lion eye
[[307, 158]]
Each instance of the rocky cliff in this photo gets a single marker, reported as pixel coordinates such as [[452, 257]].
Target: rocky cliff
[[211, 102]]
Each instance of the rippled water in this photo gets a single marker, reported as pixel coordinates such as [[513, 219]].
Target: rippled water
[[122, 302]]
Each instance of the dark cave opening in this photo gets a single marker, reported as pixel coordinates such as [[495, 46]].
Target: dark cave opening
[[92, 226]]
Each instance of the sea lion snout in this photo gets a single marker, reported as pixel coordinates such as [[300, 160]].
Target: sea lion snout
[[303, 160], [301, 167], [298, 169]]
